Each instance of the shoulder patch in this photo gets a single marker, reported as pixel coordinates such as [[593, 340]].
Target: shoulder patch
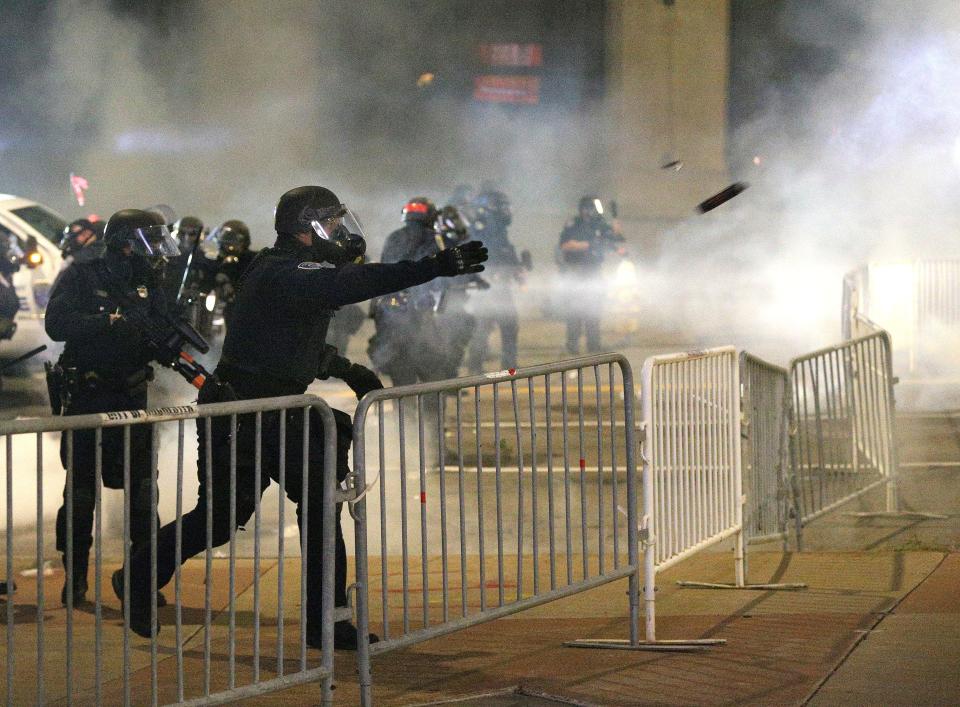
[[311, 265]]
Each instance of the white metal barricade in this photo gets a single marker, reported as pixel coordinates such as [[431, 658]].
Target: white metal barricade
[[70, 655], [843, 445], [766, 413], [493, 494], [691, 422], [918, 303], [693, 483]]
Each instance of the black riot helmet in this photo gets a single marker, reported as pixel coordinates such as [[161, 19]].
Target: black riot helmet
[[76, 236], [336, 235], [493, 208], [187, 231], [240, 231], [420, 209], [590, 207], [232, 239], [143, 232]]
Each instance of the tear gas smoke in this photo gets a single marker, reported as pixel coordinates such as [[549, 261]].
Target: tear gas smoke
[[857, 165], [217, 108]]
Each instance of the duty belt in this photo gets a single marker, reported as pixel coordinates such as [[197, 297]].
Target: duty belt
[[131, 383]]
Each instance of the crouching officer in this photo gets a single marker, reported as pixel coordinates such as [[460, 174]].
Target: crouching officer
[[104, 368], [276, 346]]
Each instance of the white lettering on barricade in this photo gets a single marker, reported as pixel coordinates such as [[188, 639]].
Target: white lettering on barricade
[[142, 414]]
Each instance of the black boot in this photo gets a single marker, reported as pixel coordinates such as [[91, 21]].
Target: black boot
[[139, 608], [79, 584]]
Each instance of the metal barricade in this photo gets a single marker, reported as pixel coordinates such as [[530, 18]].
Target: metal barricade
[[853, 304], [766, 412], [90, 655], [715, 447], [843, 445], [918, 303], [691, 419], [518, 489], [691, 464]]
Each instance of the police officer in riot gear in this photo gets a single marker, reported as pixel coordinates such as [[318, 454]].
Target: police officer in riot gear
[[584, 241], [221, 274], [454, 319], [81, 241], [491, 218], [103, 368], [187, 231], [276, 347], [407, 346], [186, 268]]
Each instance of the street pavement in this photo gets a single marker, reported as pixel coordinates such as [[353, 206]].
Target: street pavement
[[878, 624]]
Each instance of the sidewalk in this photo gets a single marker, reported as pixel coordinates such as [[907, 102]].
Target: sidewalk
[[782, 647], [880, 627]]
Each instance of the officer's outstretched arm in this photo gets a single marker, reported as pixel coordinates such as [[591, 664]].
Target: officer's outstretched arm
[[64, 320], [353, 283]]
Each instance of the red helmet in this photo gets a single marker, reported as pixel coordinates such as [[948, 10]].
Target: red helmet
[[421, 210]]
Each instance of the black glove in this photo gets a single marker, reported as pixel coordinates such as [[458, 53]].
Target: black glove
[[361, 380], [332, 364], [461, 259]]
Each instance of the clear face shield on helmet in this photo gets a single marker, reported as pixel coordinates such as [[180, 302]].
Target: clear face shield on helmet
[[339, 227], [154, 242]]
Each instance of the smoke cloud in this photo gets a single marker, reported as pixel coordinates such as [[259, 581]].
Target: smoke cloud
[[852, 159], [217, 108]]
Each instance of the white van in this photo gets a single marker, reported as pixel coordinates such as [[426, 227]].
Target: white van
[[37, 229]]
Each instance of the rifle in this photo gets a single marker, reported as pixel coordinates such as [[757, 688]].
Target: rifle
[[24, 357], [168, 337]]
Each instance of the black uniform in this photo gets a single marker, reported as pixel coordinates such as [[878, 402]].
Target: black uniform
[[496, 306], [276, 347], [584, 300], [111, 373]]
